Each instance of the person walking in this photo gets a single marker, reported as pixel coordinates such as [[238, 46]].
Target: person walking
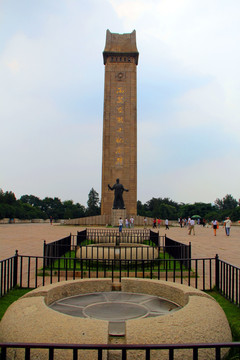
[[131, 222], [145, 222], [227, 224], [166, 224], [191, 227], [120, 222], [180, 222], [215, 226], [154, 223], [126, 222]]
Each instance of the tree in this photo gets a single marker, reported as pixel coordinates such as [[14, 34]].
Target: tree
[[53, 207], [93, 203], [73, 210], [167, 212], [7, 197], [227, 203], [140, 208], [31, 200], [235, 215], [201, 209]]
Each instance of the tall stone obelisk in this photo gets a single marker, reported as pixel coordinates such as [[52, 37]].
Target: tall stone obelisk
[[119, 157]]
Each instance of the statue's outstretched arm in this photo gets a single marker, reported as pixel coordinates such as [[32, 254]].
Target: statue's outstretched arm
[[110, 187]]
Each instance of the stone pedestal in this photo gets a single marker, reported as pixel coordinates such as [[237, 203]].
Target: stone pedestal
[[116, 214]]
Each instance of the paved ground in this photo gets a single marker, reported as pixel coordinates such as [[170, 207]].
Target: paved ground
[[28, 240]]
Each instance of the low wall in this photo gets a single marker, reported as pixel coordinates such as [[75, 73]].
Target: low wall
[[29, 221], [104, 220]]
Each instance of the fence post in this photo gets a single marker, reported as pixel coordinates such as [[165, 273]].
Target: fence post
[[217, 272], [190, 255], [190, 250], [44, 253], [15, 269]]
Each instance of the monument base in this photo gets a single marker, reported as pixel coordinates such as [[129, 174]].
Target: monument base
[[116, 214]]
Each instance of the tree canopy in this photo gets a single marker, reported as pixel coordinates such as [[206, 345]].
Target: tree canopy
[[32, 207]]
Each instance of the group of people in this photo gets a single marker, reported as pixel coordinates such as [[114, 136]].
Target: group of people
[[156, 223], [190, 223], [226, 224], [215, 225], [128, 223], [183, 222]]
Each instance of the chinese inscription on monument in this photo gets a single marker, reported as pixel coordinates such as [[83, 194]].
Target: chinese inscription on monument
[[119, 159]]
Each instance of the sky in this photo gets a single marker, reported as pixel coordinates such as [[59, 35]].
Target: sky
[[188, 91]]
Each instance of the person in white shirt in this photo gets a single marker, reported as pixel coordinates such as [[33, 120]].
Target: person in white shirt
[[227, 224], [120, 222], [215, 225], [131, 222], [145, 222], [166, 224], [191, 227], [126, 223]]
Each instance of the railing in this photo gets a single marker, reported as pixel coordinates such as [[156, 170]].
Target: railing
[[8, 274], [31, 271], [204, 273], [57, 248], [177, 249], [111, 237], [228, 280], [156, 238], [189, 351]]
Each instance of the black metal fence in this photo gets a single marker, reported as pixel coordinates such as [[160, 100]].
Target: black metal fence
[[156, 238], [228, 280], [31, 271], [56, 248], [193, 351], [8, 274], [178, 250], [203, 273], [113, 237]]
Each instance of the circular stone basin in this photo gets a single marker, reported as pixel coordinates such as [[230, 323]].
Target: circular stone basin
[[114, 306], [117, 310], [93, 314]]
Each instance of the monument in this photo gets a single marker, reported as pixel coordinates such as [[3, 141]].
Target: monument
[[119, 155]]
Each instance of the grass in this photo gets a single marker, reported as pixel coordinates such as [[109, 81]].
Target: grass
[[67, 262], [10, 297], [233, 315], [232, 312]]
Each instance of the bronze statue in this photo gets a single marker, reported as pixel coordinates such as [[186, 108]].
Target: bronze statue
[[118, 195]]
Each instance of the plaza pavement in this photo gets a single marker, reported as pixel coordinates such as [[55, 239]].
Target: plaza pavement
[[28, 240]]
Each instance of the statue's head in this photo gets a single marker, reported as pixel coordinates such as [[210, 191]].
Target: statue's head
[[117, 180]]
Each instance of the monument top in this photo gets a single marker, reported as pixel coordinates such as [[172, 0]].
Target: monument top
[[121, 44]]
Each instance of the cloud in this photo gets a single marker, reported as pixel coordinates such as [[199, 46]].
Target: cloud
[[51, 98]]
